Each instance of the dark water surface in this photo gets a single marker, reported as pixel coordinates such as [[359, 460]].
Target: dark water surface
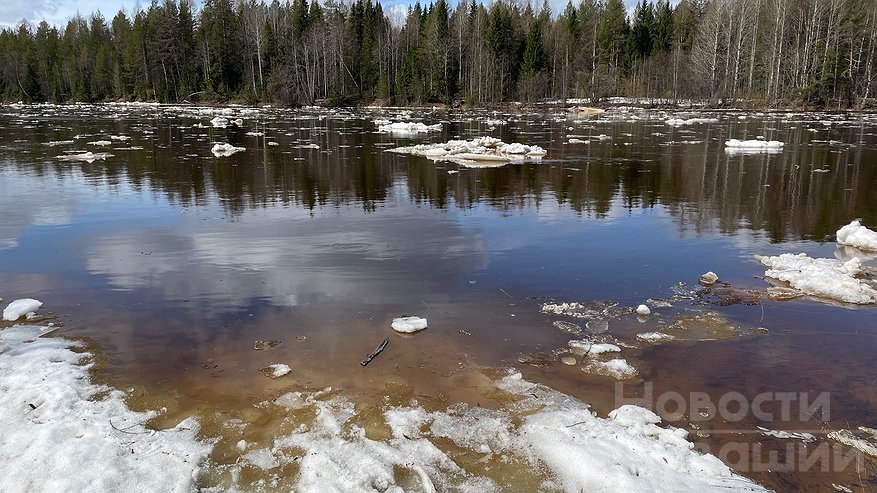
[[174, 261]]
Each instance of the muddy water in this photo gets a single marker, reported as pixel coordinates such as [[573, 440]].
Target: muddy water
[[175, 262]]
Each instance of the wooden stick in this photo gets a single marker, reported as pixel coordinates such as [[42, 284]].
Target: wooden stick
[[368, 359]]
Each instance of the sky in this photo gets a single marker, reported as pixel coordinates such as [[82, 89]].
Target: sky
[[58, 12]]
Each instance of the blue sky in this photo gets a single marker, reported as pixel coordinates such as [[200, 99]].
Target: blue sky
[[58, 12]]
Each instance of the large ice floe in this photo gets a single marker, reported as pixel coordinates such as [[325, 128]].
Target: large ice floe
[[822, 277], [88, 157], [406, 128], [61, 432], [225, 149], [856, 235], [753, 146], [554, 440], [478, 152]]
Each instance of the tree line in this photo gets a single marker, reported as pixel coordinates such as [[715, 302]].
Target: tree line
[[774, 52]]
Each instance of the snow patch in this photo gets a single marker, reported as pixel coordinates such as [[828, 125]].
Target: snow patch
[[61, 431]]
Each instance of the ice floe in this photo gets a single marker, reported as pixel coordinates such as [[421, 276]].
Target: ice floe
[[88, 157], [219, 122], [62, 432], [678, 122], [709, 278], [866, 443], [788, 435], [856, 235], [478, 151], [821, 277], [747, 146], [406, 128], [617, 368], [643, 311], [408, 325], [655, 337], [276, 370], [20, 308], [222, 150]]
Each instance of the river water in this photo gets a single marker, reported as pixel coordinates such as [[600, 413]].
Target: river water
[[173, 263]]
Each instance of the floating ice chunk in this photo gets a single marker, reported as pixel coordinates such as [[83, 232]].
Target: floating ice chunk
[[574, 140], [677, 122], [276, 370], [58, 143], [753, 145], [407, 128], [643, 311], [82, 436], [255, 134], [239, 122], [866, 444], [618, 368], [219, 122], [19, 308], [100, 143], [856, 235], [591, 348], [709, 278], [788, 435], [222, 150], [408, 325], [655, 337], [476, 150], [88, 157], [120, 137], [824, 278]]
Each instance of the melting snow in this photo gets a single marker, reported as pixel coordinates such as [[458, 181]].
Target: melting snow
[[61, 431]]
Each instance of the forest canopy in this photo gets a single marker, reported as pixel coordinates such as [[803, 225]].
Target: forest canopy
[[776, 52]]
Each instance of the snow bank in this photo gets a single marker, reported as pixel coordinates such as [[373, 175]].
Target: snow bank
[[406, 128], [824, 278], [475, 150], [20, 308], [222, 150], [61, 432], [553, 438], [856, 235], [408, 325]]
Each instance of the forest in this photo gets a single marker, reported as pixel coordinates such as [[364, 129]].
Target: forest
[[776, 53]]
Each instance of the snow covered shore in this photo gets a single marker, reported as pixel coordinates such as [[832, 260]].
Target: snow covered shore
[[62, 432], [59, 431]]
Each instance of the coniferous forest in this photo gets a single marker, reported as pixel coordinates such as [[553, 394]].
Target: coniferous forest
[[771, 52]]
